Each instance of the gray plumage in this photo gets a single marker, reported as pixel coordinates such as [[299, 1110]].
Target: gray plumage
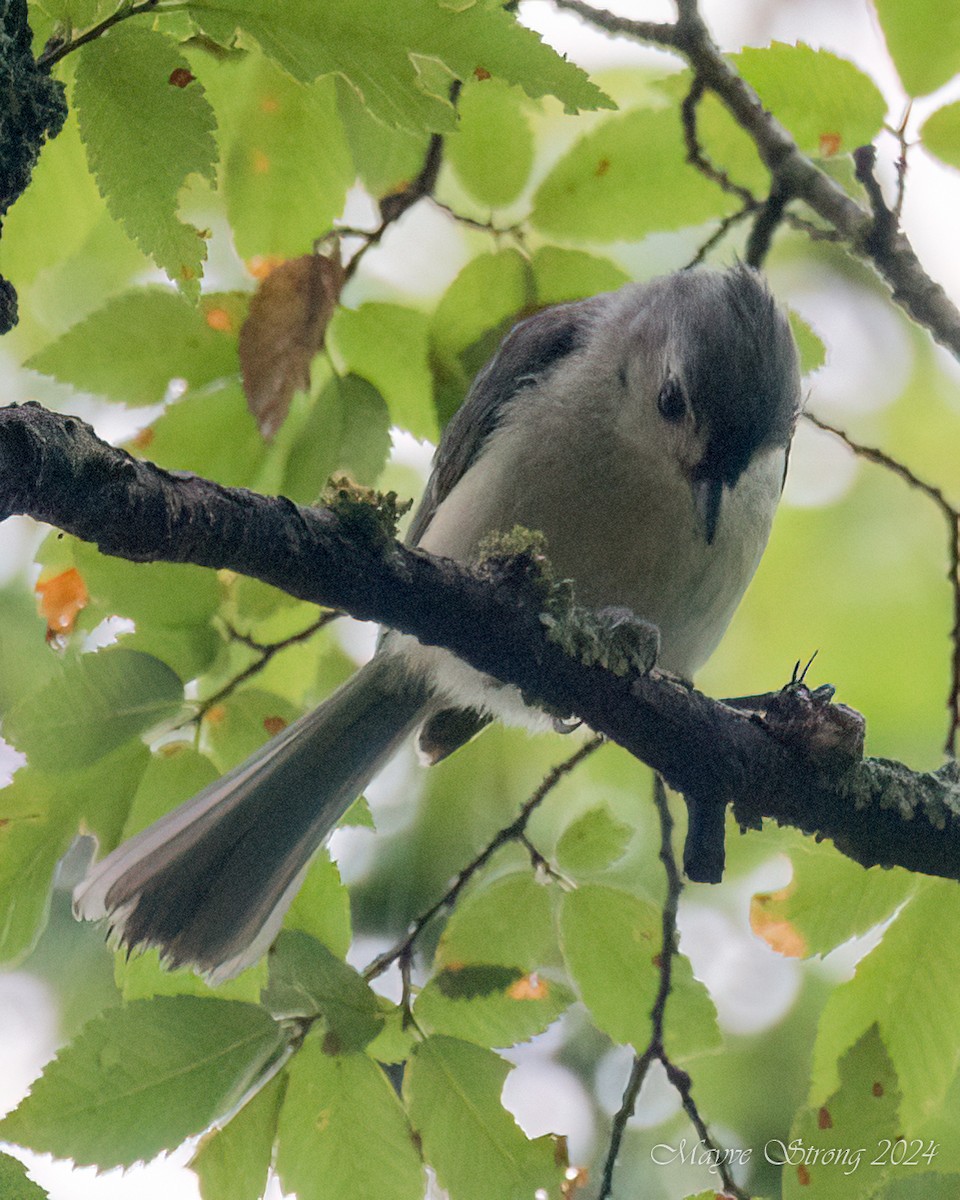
[[645, 432]]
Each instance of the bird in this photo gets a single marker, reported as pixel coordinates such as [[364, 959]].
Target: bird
[[645, 432]]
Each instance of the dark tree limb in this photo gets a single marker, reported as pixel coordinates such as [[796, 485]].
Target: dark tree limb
[[797, 762]]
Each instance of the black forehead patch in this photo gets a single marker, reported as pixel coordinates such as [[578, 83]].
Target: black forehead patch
[[738, 363]]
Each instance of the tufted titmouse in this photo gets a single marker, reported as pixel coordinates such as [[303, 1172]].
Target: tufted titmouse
[[646, 433]]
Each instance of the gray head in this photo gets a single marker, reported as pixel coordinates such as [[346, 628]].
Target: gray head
[[727, 378]]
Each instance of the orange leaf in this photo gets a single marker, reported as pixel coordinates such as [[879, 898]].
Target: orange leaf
[[530, 987], [768, 920], [61, 599], [284, 329]]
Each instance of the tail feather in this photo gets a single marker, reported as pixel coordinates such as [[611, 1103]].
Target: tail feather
[[209, 882]]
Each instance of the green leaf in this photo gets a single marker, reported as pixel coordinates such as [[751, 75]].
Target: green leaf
[[386, 344], [509, 922], [141, 1079], [384, 51], [625, 179], [144, 137], [453, 1091], [347, 432], [813, 353], [98, 702], [923, 37], [15, 1184], [141, 976], [862, 1112], [358, 815], [492, 150], [490, 1005], [343, 1132], [561, 275], [386, 159], [592, 842], [612, 944], [210, 433], [829, 900], [286, 163], [198, 345], [902, 976], [940, 134], [232, 1163], [827, 103], [39, 818], [242, 722], [476, 310], [306, 980], [321, 907], [174, 773]]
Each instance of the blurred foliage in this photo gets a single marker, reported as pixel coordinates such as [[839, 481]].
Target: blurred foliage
[[205, 143]]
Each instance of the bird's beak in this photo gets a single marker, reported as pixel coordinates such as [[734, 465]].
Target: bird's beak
[[707, 495]]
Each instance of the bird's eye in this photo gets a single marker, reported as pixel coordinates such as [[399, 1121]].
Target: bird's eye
[[670, 403]]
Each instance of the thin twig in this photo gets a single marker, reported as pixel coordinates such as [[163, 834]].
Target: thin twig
[[514, 832], [900, 133], [696, 156], [951, 515], [266, 653], [655, 1051], [55, 50], [718, 235]]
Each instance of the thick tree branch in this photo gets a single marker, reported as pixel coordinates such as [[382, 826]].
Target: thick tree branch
[[794, 174], [797, 762]]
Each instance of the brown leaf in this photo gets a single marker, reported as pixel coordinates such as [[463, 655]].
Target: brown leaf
[[284, 329]]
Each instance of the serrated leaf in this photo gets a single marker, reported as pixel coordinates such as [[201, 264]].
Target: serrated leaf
[[923, 37], [186, 342], [490, 1005], [813, 353], [232, 1163], [141, 1079], [492, 149], [829, 900], [387, 344], [321, 907], [15, 1184], [940, 134], [358, 815], [452, 1089], [144, 137], [898, 976], [343, 1132], [377, 48], [861, 1113], [98, 702], [286, 164], [612, 944], [307, 980], [829, 105], [284, 329], [141, 976], [39, 817], [624, 179], [592, 842]]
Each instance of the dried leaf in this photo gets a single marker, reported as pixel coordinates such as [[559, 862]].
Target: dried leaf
[[284, 329]]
